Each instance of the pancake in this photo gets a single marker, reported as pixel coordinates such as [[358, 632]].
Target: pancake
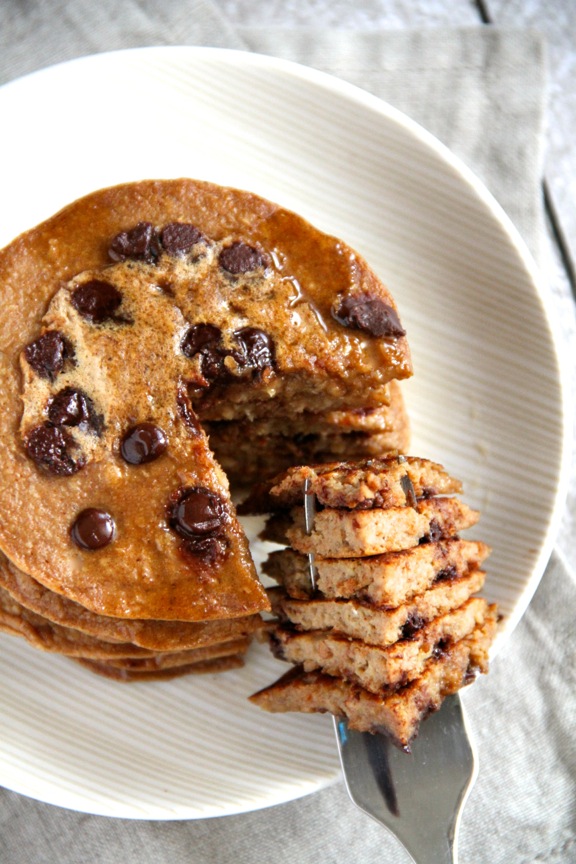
[[375, 625], [388, 579], [359, 533], [202, 667], [354, 484], [373, 666]]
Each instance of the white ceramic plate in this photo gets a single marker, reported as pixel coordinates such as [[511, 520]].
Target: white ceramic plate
[[486, 398]]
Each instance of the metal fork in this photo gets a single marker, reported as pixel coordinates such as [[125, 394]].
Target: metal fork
[[418, 795]]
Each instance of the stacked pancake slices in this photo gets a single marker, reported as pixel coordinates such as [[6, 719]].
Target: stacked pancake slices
[[388, 622]]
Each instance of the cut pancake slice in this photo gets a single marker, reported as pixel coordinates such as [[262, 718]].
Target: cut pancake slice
[[358, 533], [364, 484], [399, 712], [374, 667], [385, 580], [371, 624]]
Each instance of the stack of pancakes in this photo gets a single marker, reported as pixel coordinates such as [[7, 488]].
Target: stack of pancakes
[[392, 625], [263, 448], [157, 336], [123, 649]]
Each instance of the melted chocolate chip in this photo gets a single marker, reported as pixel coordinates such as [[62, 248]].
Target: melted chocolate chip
[[197, 513], [370, 314], [205, 340], [93, 529], [47, 354], [71, 407], [241, 258], [198, 337], [448, 574], [211, 549], [198, 516], [440, 649], [138, 244], [52, 447], [255, 349], [436, 531], [143, 443], [413, 623], [178, 238], [96, 300]]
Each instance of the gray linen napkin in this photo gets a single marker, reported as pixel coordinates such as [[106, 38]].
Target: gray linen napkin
[[481, 92]]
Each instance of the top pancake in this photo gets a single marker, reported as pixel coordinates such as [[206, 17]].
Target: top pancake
[[296, 320]]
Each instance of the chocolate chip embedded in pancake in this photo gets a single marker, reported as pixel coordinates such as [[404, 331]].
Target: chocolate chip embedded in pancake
[[120, 279]]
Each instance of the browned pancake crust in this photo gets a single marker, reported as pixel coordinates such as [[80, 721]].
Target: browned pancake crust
[[152, 635]]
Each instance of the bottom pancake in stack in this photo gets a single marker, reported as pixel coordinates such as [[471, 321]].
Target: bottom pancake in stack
[[393, 625]]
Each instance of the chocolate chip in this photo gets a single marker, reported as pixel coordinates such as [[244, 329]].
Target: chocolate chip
[[241, 258], [72, 407], [178, 238], [205, 340], [143, 443], [197, 513], [52, 447], [200, 336], [96, 300], [413, 623], [448, 574], [440, 649], [210, 549], [256, 349], [93, 529], [370, 314], [435, 533], [139, 244], [47, 354]]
